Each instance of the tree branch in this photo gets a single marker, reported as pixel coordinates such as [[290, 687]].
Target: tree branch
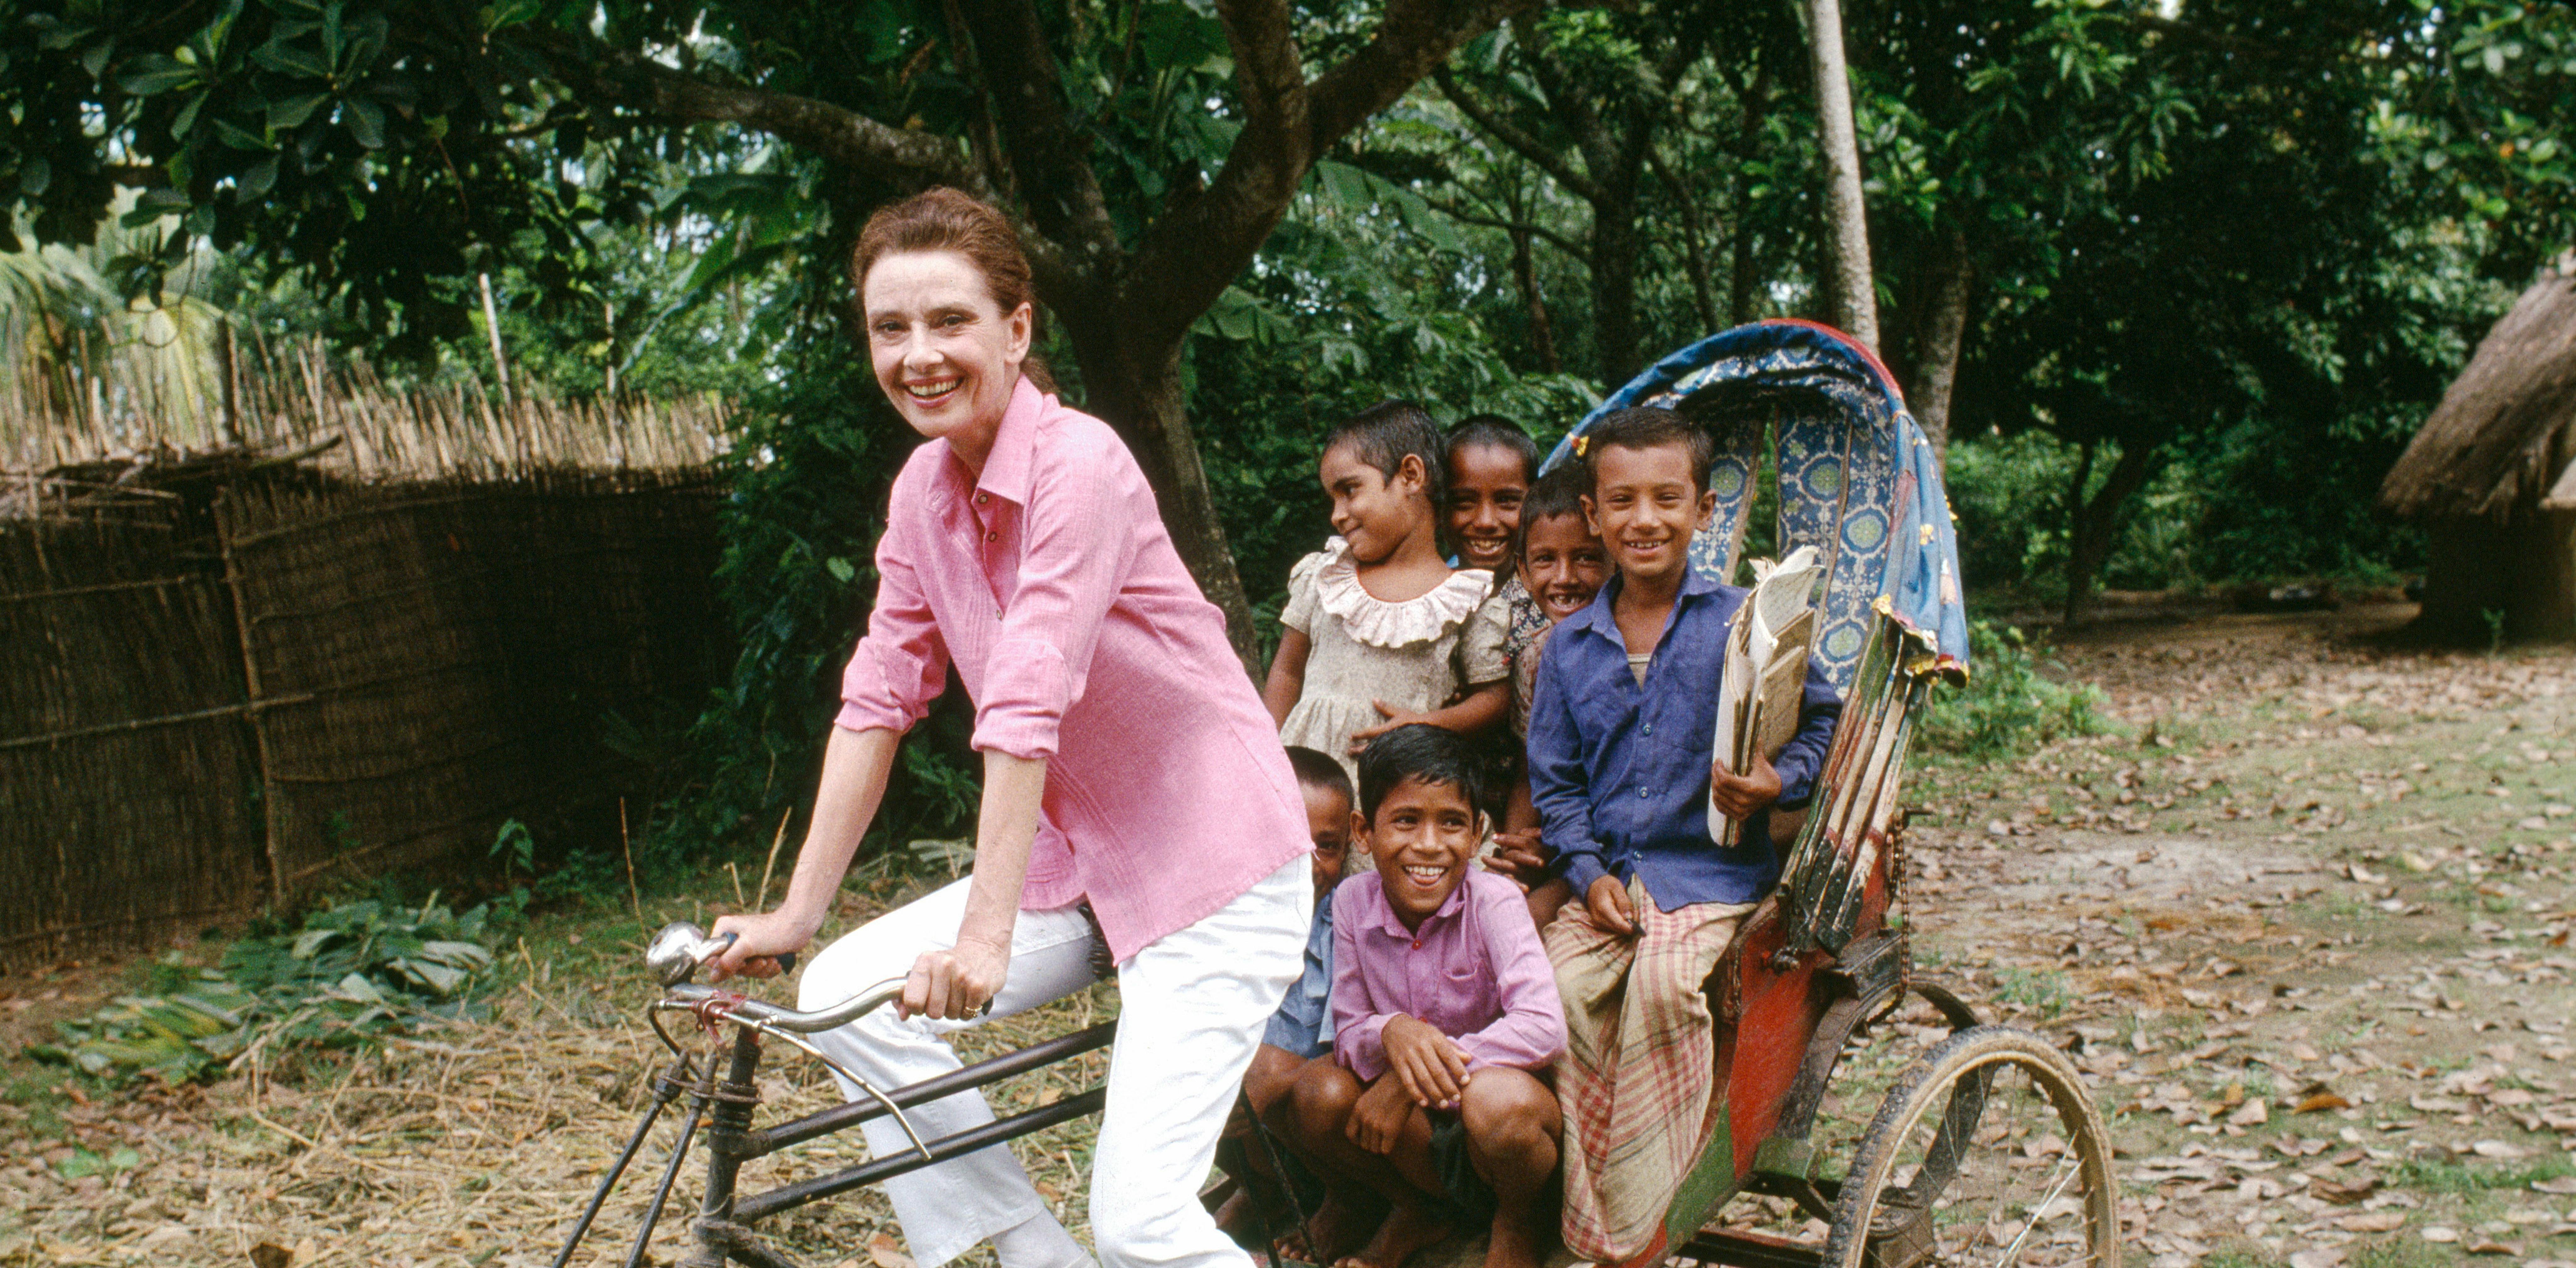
[[1550, 236], [1063, 193], [1492, 124]]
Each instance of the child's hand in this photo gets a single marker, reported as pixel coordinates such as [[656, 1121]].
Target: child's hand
[[1518, 855], [1395, 717], [1608, 900], [1740, 797], [1430, 1065], [1379, 1116]]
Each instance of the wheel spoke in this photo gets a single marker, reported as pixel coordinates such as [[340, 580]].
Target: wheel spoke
[[2065, 1176]]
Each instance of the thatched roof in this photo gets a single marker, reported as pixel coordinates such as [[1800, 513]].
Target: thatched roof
[[2487, 448]]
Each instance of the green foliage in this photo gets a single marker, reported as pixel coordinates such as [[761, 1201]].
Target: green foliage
[[350, 972], [2010, 706]]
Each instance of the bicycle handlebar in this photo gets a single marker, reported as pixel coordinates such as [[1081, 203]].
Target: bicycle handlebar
[[689, 995]]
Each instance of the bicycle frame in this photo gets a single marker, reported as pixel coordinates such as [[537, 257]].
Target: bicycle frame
[[721, 1232]]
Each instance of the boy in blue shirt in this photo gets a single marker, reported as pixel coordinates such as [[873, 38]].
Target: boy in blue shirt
[[1623, 770]]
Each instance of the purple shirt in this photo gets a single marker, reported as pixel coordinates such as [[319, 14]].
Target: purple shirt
[[1050, 584], [1475, 971]]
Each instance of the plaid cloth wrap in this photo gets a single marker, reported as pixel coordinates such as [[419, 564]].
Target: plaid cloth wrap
[[1638, 1077]]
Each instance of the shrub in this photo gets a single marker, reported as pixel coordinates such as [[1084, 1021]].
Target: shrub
[[2010, 706]]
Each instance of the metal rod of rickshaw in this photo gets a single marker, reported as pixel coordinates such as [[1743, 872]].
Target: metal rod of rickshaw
[[771, 1139], [786, 1197]]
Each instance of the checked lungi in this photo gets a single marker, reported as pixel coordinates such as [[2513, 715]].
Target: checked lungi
[[1638, 1076]]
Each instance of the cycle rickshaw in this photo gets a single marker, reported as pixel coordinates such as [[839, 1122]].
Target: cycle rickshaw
[[1986, 1151]]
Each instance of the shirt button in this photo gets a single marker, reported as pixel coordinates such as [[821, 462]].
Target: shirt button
[[982, 498], [1650, 728], [992, 537]]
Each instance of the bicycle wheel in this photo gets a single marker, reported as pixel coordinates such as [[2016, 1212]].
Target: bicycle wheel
[[1988, 1153]]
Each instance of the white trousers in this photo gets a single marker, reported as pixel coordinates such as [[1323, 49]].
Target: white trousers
[[1192, 1007]]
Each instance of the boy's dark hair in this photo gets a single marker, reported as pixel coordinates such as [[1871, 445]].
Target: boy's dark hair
[[1314, 770], [1498, 432], [1647, 427], [1384, 434], [1559, 492], [1424, 752]]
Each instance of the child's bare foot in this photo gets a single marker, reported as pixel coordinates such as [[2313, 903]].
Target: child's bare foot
[[1335, 1230], [1411, 1226]]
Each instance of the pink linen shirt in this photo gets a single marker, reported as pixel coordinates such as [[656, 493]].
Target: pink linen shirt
[[1051, 585], [1475, 971]]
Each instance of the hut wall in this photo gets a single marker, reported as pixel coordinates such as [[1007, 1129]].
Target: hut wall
[[2524, 568], [347, 680]]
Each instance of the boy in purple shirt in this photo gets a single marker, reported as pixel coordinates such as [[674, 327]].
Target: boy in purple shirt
[[1444, 1014], [1623, 771]]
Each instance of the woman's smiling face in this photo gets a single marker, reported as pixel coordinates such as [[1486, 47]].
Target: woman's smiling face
[[944, 352], [1487, 484], [1422, 837]]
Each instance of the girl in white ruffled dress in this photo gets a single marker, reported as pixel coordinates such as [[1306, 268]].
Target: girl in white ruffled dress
[[1380, 630]]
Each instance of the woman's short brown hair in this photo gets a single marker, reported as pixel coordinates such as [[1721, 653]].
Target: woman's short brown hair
[[944, 219]]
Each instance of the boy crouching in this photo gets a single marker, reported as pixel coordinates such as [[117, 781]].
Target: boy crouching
[[1445, 1016]]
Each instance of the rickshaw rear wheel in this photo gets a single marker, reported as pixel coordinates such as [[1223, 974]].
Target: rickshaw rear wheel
[[1988, 1152]]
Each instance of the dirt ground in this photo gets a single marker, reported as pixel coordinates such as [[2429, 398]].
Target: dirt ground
[[2304, 923]]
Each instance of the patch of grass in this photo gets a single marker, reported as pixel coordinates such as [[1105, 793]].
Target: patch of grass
[[2402, 1251], [2446, 1175], [2043, 990], [2010, 706]]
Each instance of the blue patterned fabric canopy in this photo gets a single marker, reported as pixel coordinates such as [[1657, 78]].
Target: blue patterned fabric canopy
[[1858, 480]]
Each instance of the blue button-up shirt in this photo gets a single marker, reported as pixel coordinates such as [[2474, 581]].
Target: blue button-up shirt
[[1620, 772]]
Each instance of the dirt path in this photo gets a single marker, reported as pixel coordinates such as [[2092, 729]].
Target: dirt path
[[2306, 927]]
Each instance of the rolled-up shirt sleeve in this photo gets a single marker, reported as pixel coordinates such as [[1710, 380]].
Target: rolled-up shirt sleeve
[[1559, 783], [901, 665], [1531, 1032], [1076, 543]]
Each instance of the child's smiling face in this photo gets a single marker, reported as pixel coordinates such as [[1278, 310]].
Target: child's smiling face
[[1422, 838], [1373, 511], [1328, 823], [1645, 505], [1562, 564], [1487, 484]]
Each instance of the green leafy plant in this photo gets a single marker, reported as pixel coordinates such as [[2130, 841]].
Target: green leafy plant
[[2009, 706], [350, 972]]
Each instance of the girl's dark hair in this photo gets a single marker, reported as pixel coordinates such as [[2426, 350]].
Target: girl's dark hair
[[1647, 427], [1498, 432], [1314, 770], [943, 219], [1424, 752], [1559, 492], [1385, 434]]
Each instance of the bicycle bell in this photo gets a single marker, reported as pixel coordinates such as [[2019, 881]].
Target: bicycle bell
[[675, 953]]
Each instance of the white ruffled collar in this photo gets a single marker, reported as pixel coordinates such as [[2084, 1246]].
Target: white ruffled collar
[[1372, 620]]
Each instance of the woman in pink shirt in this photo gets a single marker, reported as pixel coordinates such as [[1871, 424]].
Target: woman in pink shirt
[[1128, 767]]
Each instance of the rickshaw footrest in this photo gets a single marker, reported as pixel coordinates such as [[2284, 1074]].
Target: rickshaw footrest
[[1749, 1250]]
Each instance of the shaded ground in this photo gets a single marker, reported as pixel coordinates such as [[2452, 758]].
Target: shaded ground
[[2305, 925]]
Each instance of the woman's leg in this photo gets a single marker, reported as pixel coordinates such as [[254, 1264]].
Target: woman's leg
[[1192, 1006], [948, 1208]]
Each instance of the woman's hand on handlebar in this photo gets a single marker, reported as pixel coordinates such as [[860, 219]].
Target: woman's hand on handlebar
[[955, 984], [758, 942]]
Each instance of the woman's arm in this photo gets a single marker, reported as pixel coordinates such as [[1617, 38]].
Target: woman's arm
[[855, 765], [1287, 675], [957, 982]]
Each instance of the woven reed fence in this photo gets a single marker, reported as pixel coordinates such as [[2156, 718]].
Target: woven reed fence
[[355, 643]]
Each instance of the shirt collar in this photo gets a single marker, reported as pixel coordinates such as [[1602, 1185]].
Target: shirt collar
[[1597, 616], [1448, 910], [1015, 443]]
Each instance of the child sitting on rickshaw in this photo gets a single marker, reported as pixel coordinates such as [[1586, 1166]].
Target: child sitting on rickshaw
[[1622, 769]]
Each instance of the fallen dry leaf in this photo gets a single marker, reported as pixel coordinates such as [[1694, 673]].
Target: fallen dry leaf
[[2376, 1222], [2494, 1248], [886, 1252], [2498, 1149], [2440, 1233], [2321, 1102], [2346, 1194], [270, 1255], [2253, 1113], [2555, 1185]]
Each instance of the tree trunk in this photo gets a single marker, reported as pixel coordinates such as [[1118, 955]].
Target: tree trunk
[[1741, 285], [1855, 296], [1936, 346], [1542, 333], [2094, 523], [1614, 285], [1138, 392]]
